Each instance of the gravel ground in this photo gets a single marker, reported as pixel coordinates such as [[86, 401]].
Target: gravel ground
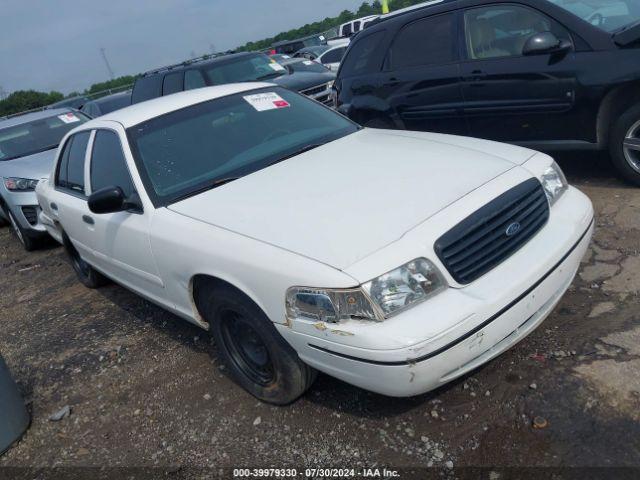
[[146, 389]]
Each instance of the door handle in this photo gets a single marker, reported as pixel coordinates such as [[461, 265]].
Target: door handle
[[392, 82], [88, 219], [54, 206], [476, 76]]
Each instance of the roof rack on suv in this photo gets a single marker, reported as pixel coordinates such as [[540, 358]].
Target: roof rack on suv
[[401, 11], [185, 63]]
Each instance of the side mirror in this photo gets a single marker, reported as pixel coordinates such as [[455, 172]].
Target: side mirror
[[112, 199], [107, 200], [544, 43]]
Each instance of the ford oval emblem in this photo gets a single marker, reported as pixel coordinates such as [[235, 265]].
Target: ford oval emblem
[[512, 229]]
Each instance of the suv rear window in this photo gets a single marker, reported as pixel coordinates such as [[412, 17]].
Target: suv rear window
[[147, 88], [361, 57]]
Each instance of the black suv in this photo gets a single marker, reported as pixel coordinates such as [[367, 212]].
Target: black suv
[[233, 68], [548, 74]]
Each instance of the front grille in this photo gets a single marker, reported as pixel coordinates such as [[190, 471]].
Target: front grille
[[490, 235], [315, 90], [31, 214]]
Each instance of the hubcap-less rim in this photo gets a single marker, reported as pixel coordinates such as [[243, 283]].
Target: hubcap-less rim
[[246, 349], [631, 147], [16, 228]]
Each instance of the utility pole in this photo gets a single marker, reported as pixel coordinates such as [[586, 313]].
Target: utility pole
[[212, 48], [106, 62], [3, 93]]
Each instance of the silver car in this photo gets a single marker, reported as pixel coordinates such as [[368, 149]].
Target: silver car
[[28, 146]]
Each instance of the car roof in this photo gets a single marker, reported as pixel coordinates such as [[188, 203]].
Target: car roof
[[207, 60], [113, 96], [19, 119], [143, 111]]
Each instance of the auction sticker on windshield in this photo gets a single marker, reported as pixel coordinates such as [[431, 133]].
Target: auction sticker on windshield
[[266, 101], [68, 118], [277, 67]]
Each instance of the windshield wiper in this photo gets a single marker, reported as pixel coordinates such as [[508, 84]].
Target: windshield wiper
[[297, 152], [208, 186], [271, 75]]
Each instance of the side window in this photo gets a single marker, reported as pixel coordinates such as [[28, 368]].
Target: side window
[[173, 83], [502, 30], [430, 41], [334, 56], [146, 88], [108, 164], [70, 174], [362, 55], [193, 79]]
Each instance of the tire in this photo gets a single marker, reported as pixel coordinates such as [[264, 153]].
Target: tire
[[86, 274], [380, 123], [257, 356], [28, 243], [624, 145]]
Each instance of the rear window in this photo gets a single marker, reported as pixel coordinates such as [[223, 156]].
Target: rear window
[[172, 83], [361, 57], [146, 88], [38, 135]]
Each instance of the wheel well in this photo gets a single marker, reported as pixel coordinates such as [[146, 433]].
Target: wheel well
[[202, 283], [615, 103]]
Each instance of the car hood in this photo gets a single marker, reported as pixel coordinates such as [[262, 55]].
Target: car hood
[[34, 166], [303, 80], [343, 201]]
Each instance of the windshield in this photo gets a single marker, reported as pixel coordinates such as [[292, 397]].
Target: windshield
[[609, 15], [244, 69], [36, 136], [193, 149]]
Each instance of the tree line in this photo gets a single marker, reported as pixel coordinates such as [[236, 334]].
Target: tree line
[[22, 100]]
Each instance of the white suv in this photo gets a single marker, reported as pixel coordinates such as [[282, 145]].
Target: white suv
[[395, 261]]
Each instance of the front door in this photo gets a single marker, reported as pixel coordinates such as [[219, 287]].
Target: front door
[[512, 97], [122, 243], [422, 81]]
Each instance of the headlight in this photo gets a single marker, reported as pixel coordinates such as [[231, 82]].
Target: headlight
[[553, 182], [376, 300], [405, 286], [20, 184], [328, 305]]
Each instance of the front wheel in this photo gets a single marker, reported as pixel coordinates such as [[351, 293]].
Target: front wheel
[[624, 145], [259, 359], [28, 243]]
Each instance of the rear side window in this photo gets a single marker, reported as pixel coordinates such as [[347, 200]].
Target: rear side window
[[193, 79], [362, 56], [429, 41], [70, 174], [334, 56], [108, 164], [146, 88], [172, 83]]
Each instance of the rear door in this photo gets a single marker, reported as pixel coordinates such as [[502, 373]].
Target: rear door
[[68, 197], [422, 83], [509, 96], [121, 239]]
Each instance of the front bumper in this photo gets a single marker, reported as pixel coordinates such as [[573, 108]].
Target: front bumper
[[25, 209], [478, 322], [320, 93]]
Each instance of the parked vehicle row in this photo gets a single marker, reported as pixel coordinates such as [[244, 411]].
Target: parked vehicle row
[[234, 68], [279, 225], [538, 73]]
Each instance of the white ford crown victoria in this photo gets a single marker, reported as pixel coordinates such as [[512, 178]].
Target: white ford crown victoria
[[395, 261]]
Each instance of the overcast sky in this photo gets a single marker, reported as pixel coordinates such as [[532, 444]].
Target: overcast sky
[[55, 44]]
